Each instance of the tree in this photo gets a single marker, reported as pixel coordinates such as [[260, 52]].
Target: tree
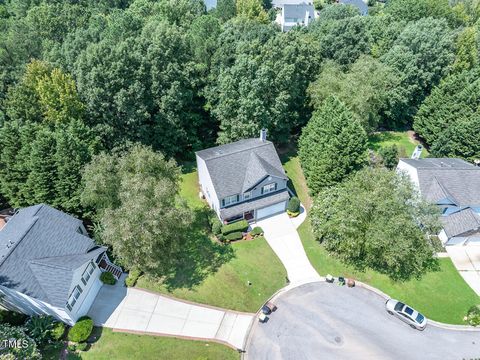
[[389, 155], [252, 9], [421, 54], [337, 12], [467, 50], [140, 216], [413, 10], [203, 35], [333, 145], [369, 88], [377, 220], [21, 346], [456, 97], [225, 9]]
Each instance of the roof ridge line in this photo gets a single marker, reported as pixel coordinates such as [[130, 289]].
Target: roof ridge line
[[235, 152], [15, 244]]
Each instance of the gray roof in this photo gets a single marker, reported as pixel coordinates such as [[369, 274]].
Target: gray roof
[[254, 204], [436, 163], [235, 168], [298, 11], [461, 222], [44, 249], [359, 4]]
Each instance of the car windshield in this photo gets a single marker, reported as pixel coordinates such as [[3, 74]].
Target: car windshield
[[408, 310], [420, 318], [399, 306]]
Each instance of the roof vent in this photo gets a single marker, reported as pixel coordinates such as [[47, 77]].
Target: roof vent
[[263, 134], [476, 162]]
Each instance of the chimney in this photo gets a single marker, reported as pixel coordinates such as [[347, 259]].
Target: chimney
[[263, 134]]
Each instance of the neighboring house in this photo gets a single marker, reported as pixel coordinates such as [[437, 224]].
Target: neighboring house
[[49, 265], [453, 185], [243, 180], [295, 14], [359, 4]]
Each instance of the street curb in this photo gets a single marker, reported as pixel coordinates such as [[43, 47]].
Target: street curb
[[430, 321]]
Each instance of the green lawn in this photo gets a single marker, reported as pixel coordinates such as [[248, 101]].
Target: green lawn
[[218, 275], [402, 139], [118, 346], [443, 295]]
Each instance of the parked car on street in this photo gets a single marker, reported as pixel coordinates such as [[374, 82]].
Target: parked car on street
[[406, 314]]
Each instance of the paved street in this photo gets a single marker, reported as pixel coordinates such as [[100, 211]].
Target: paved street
[[326, 321], [135, 310], [283, 238]]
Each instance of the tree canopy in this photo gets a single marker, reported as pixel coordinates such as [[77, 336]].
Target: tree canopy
[[376, 220]]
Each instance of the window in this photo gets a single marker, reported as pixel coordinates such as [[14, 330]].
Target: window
[[74, 297], [247, 195], [229, 200], [88, 272], [269, 188]]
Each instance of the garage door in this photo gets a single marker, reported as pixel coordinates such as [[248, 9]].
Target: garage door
[[271, 210]]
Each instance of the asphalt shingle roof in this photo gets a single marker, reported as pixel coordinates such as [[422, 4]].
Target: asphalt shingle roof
[[461, 222], [234, 168], [436, 163], [46, 250], [256, 203], [298, 11]]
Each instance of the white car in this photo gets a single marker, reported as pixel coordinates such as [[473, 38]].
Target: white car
[[406, 314]]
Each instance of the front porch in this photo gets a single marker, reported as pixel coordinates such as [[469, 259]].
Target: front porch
[[105, 265]]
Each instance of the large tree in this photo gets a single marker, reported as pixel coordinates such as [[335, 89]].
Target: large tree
[[139, 212], [377, 220], [333, 145]]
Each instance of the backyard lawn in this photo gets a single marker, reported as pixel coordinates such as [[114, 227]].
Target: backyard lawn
[[403, 139], [118, 346], [442, 295], [223, 273]]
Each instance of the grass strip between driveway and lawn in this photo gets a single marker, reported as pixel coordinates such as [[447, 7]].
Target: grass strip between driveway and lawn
[[122, 346], [441, 295]]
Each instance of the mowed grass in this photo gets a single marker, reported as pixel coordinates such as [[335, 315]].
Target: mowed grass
[[228, 286], [123, 346], [442, 295], [404, 142]]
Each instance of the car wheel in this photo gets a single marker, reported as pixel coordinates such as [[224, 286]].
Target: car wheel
[[391, 313], [413, 327]]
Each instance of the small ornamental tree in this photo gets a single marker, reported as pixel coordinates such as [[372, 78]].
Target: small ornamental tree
[[332, 145], [473, 315]]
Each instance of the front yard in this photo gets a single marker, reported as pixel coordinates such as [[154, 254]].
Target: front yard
[[248, 272], [442, 295]]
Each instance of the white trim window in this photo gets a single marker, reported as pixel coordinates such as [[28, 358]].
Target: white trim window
[[269, 188], [229, 200], [247, 195], [88, 273], [72, 299]]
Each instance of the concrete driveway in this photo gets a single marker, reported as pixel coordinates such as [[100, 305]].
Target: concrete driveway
[[282, 236], [139, 311], [326, 321], [467, 261]]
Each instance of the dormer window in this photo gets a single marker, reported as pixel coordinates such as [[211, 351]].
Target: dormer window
[[269, 188], [229, 200]]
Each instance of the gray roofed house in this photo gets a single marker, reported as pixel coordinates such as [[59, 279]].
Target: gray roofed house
[[453, 185], [48, 264], [359, 4], [295, 14], [244, 179]]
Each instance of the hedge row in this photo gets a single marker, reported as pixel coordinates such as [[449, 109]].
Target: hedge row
[[239, 226], [234, 236]]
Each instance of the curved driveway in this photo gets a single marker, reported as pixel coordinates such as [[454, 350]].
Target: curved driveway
[[326, 321]]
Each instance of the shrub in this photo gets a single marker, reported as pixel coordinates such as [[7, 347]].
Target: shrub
[[389, 155], [107, 278], [28, 350], [72, 347], [234, 236], [217, 227], [81, 330], [293, 214], [294, 205], [220, 237], [473, 315], [256, 231], [58, 331], [40, 328], [12, 317], [239, 226], [82, 346], [132, 277]]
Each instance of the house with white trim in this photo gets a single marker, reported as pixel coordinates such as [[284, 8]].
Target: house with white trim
[[454, 186], [49, 265], [243, 180], [294, 13]]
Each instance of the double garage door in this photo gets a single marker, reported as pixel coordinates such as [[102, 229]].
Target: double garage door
[[271, 210]]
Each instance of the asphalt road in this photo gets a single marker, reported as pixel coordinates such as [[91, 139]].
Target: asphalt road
[[326, 321]]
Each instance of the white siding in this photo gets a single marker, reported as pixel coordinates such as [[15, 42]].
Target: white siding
[[206, 185], [443, 236], [409, 170], [12, 299]]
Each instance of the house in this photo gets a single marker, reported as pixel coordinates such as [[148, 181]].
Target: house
[[243, 180], [295, 14], [453, 185], [359, 4], [49, 265]]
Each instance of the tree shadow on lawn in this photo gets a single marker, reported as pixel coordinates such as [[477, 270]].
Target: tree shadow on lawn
[[199, 257]]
